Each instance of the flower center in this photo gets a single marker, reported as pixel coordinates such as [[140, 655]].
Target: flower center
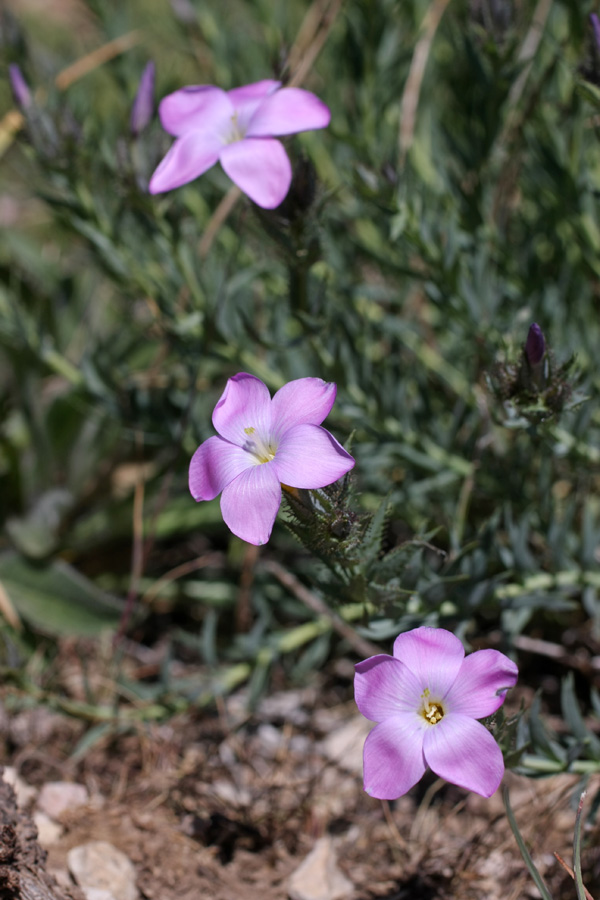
[[431, 710], [263, 451], [236, 132]]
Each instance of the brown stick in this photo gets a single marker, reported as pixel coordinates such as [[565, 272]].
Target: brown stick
[[362, 646], [412, 89]]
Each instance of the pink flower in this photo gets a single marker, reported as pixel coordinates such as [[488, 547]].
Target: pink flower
[[236, 128], [426, 699], [263, 443]]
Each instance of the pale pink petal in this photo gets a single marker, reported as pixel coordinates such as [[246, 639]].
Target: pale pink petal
[[309, 457], [393, 757], [463, 752], [258, 90], [196, 108], [481, 684], [305, 401], [260, 167], [434, 655], [249, 504], [384, 687], [247, 99], [189, 157], [215, 463], [243, 412], [288, 111]]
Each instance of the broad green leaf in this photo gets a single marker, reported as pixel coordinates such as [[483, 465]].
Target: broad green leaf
[[57, 599]]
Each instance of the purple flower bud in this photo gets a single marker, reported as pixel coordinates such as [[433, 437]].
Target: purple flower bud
[[19, 86], [535, 345], [143, 105], [595, 23]]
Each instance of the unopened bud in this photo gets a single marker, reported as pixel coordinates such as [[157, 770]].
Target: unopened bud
[[143, 105], [535, 346], [595, 23], [19, 86]]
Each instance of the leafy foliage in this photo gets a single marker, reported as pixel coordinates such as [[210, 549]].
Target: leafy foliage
[[406, 265]]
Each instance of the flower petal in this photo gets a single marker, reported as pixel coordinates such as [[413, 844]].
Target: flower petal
[[481, 684], [305, 401], [215, 463], [258, 90], [384, 687], [260, 167], [433, 654], [189, 157], [247, 99], [393, 757], [288, 111], [244, 409], [250, 502], [196, 108], [463, 752], [309, 457]]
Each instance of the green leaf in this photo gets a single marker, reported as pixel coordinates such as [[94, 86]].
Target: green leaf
[[57, 599]]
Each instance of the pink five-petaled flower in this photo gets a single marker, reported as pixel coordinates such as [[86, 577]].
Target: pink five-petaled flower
[[263, 444], [426, 699], [237, 128]]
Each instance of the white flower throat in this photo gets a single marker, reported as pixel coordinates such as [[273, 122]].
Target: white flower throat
[[237, 132], [262, 450], [431, 710]]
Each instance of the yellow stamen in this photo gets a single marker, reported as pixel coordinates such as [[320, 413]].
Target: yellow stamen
[[432, 711]]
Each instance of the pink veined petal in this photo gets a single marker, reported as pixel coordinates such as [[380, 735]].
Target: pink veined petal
[[481, 684], [384, 687], [250, 502], [260, 167], [463, 752], [393, 757], [433, 654], [247, 99], [243, 410], [288, 111], [196, 108], [215, 463], [258, 90], [309, 457], [305, 401], [189, 157]]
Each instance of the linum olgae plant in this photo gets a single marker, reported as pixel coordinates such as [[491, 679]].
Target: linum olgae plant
[[237, 128], [426, 699], [263, 444]]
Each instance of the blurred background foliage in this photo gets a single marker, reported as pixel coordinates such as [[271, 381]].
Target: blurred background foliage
[[452, 202]]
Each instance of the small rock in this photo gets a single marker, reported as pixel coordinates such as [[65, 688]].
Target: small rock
[[344, 746], [318, 876], [98, 865], [98, 894], [57, 796], [23, 791], [49, 831]]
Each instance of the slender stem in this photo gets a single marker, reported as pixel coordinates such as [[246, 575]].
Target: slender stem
[[539, 882]]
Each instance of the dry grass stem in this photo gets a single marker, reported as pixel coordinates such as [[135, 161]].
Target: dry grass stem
[[362, 646], [218, 219], [97, 57], [412, 89], [202, 562]]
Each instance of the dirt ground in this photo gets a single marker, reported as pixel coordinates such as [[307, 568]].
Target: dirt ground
[[228, 803]]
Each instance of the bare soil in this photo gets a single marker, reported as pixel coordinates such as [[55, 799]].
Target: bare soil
[[227, 803]]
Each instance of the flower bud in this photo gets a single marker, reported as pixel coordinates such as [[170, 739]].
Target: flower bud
[[535, 346], [19, 86], [143, 105], [595, 23]]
